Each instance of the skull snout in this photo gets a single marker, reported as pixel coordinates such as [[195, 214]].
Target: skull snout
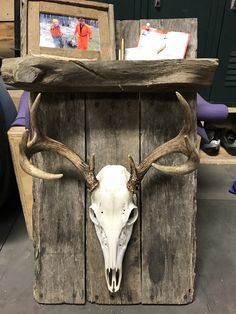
[[113, 270], [113, 278]]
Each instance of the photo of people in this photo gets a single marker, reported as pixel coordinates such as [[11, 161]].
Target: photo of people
[[59, 31]]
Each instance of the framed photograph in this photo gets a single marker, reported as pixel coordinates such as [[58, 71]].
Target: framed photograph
[[72, 29]]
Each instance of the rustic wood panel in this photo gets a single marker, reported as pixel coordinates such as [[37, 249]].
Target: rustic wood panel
[[81, 3], [111, 19], [23, 27], [7, 43], [59, 207], [116, 125], [168, 203], [33, 27], [24, 181], [47, 74], [129, 30], [15, 96], [168, 211], [7, 11], [112, 134]]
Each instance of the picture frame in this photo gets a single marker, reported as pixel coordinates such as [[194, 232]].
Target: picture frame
[[69, 14]]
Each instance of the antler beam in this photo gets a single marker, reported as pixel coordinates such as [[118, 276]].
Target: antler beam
[[180, 144], [40, 142]]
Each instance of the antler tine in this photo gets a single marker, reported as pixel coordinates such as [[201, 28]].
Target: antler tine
[[28, 167], [180, 144], [41, 142]]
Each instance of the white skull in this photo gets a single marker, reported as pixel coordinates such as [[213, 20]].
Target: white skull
[[113, 212]]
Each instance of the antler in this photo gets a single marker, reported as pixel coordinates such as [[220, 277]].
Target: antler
[[40, 142], [180, 144]]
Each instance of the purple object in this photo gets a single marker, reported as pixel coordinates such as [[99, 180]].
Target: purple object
[[233, 189], [201, 131], [22, 118], [209, 113]]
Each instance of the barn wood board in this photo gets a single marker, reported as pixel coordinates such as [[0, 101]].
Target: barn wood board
[[59, 206], [168, 202], [112, 131], [7, 38]]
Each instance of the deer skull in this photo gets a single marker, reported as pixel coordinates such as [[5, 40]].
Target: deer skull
[[113, 208], [113, 212]]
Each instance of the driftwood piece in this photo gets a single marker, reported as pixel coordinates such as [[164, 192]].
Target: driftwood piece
[[58, 211], [168, 202], [112, 133], [49, 74]]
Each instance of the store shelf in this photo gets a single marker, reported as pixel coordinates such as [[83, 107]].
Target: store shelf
[[232, 109], [223, 158]]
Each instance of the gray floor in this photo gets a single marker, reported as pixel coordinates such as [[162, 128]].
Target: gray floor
[[216, 263]]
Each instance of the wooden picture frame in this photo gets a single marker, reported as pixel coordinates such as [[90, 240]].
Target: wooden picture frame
[[103, 13]]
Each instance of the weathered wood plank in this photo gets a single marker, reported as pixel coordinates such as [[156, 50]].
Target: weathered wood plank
[[129, 30], [168, 211], [24, 181], [48, 74], [168, 203], [80, 3], [112, 134], [7, 11], [59, 207], [23, 27], [7, 44]]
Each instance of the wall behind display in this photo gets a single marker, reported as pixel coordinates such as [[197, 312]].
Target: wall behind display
[[224, 87]]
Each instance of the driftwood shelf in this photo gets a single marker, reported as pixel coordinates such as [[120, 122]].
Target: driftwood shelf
[[47, 74], [159, 265]]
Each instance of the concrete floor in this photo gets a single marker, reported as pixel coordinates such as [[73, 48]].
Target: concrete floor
[[216, 262]]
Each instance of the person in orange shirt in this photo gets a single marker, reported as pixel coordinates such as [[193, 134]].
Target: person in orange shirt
[[84, 34], [56, 33]]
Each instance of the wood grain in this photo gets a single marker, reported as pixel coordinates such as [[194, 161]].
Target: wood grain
[[168, 202], [23, 27], [80, 3], [47, 74], [129, 30], [7, 11], [24, 181], [223, 158], [7, 43], [33, 27], [113, 133], [15, 96], [168, 211], [59, 207]]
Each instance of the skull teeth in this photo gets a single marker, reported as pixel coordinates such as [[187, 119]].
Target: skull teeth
[[113, 276]]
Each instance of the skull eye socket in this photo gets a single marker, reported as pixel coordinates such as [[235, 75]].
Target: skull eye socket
[[93, 216], [133, 216]]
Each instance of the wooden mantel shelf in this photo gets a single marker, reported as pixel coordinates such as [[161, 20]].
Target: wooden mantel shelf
[[35, 73]]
